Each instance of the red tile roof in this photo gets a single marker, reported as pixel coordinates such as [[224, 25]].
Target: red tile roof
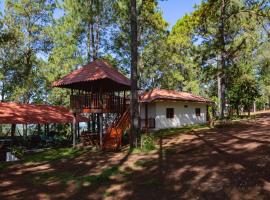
[[161, 94], [15, 113], [96, 70]]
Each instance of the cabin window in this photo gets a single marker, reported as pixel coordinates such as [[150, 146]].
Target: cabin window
[[185, 106], [169, 113], [198, 112]]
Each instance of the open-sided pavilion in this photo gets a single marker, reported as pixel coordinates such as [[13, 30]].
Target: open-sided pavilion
[[16, 113]]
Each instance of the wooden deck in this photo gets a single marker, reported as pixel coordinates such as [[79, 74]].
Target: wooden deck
[[92, 103]]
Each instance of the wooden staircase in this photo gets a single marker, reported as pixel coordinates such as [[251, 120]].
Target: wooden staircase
[[113, 138]]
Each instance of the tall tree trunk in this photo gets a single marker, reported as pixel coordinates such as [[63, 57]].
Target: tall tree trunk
[[134, 109], [222, 86], [219, 93], [254, 107], [93, 42], [89, 43], [97, 28], [2, 91]]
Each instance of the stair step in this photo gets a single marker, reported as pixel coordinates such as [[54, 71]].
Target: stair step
[[114, 134]]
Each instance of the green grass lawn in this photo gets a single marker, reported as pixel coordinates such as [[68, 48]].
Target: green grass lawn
[[69, 153], [53, 154], [181, 130], [47, 155]]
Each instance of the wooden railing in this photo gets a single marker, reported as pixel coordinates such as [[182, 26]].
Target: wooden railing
[[148, 123], [104, 103]]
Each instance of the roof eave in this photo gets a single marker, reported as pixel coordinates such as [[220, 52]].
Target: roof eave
[[174, 99]]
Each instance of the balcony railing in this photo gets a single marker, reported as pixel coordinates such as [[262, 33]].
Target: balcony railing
[[102, 103], [149, 123]]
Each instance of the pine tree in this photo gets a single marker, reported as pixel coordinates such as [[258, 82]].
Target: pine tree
[[29, 21]]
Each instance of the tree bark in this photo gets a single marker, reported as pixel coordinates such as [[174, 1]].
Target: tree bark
[[134, 109], [219, 93], [222, 75], [97, 28], [89, 43]]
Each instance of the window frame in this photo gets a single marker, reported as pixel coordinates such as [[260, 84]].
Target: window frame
[[169, 113], [198, 112]]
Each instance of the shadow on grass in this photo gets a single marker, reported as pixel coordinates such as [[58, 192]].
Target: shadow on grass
[[48, 155], [54, 154], [181, 130], [65, 177]]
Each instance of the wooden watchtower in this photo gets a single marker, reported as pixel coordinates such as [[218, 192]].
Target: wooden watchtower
[[99, 92]]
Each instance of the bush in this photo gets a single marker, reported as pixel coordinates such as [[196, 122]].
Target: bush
[[148, 143], [17, 151]]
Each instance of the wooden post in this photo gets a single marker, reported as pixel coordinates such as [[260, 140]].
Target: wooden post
[[93, 122], [124, 101], [254, 107], [98, 122], [74, 130], [146, 117], [38, 129], [24, 130], [207, 113], [78, 129], [13, 130], [100, 130], [88, 123], [46, 129]]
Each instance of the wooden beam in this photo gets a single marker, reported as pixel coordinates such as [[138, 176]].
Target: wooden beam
[[100, 130], [13, 130], [74, 130], [146, 116]]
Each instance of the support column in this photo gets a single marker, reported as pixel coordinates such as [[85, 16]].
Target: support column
[[74, 128], [88, 124], [13, 130], [78, 129], [146, 117], [39, 129], [93, 122], [100, 130], [254, 107], [24, 130], [98, 122]]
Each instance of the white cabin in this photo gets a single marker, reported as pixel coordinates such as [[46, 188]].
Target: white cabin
[[162, 109]]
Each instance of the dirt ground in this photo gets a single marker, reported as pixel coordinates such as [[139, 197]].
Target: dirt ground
[[221, 163]]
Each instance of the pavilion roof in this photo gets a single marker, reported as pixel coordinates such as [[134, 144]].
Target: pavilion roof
[[161, 94], [15, 113], [95, 76]]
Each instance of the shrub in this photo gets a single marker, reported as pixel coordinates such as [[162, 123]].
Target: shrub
[[147, 142], [17, 151]]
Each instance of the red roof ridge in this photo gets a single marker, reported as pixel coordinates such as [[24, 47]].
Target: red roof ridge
[[19, 113], [95, 70], [157, 93]]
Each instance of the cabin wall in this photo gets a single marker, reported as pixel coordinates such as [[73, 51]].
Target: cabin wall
[[151, 110], [182, 115]]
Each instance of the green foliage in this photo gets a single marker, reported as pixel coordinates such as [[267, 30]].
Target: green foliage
[[244, 92], [53, 154], [47, 155], [151, 30], [17, 151], [28, 22], [148, 143], [38, 47], [101, 178], [181, 130]]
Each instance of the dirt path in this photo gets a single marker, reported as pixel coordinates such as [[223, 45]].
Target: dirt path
[[223, 163]]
